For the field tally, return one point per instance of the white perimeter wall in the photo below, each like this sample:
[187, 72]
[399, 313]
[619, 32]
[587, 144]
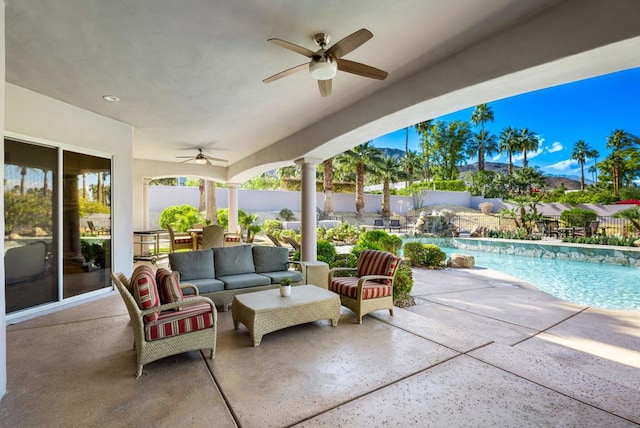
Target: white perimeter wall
[161, 197]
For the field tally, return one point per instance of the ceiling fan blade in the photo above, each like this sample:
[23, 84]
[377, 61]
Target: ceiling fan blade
[350, 43]
[286, 72]
[361, 69]
[325, 87]
[185, 161]
[211, 158]
[293, 47]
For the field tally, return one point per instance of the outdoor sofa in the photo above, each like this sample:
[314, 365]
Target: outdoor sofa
[222, 272]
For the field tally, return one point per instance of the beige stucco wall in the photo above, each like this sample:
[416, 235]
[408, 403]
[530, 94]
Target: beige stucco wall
[34, 117]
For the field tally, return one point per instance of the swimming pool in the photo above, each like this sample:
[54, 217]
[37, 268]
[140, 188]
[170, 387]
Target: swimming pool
[590, 284]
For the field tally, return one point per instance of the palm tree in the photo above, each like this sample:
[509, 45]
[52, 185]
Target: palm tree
[509, 143]
[361, 158]
[528, 142]
[411, 164]
[581, 152]
[621, 142]
[388, 170]
[593, 170]
[327, 184]
[482, 140]
[423, 129]
[481, 114]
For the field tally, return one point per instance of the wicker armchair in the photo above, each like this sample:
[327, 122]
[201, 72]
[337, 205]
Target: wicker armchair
[371, 288]
[150, 348]
[180, 240]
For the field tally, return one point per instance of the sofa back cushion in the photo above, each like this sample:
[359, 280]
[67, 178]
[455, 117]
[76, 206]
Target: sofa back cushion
[270, 259]
[144, 290]
[234, 260]
[168, 286]
[193, 264]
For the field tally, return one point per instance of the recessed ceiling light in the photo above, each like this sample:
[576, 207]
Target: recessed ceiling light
[111, 98]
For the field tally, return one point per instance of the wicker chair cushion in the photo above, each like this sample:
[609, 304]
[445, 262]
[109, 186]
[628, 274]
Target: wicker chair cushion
[144, 290]
[168, 286]
[188, 319]
[371, 262]
[348, 286]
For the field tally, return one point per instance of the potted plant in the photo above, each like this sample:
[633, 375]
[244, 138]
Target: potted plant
[285, 287]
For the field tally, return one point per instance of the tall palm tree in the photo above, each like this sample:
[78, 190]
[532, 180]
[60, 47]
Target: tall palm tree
[481, 114]
[621, 142]
[411, 164]
[581, 152]
[510, 144]
[423, 129]
[388, 170]
[482, 140]
[528, 142]
[361, 158]
[327, 184]
[593, 170]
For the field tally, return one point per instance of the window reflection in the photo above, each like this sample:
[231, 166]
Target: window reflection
[29, 219]
[86, 219]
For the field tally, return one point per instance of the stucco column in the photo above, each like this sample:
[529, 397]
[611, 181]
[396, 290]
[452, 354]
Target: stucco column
[145, 203]
[233, 207]
[309, 252]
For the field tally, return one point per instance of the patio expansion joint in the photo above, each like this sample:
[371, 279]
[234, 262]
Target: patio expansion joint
[37, 327]
[551, 326]
[227, 403]
[380, 387]
[553, 389]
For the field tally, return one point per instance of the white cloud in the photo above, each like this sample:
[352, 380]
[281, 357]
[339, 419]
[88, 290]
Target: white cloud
[497, 157]
[555, 147]
[563, 165]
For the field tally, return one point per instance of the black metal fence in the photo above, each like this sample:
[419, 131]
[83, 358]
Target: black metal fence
[467, 222]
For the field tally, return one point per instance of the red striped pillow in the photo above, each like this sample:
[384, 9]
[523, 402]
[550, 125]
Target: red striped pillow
[371, 262]
[169, 286]
[143, 287]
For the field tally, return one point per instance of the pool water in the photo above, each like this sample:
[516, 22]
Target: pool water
[597, 285]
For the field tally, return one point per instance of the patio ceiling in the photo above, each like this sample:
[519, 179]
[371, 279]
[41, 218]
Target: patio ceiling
[189, 75]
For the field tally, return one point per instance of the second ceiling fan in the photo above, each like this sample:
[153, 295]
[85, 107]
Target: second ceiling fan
[325, 62]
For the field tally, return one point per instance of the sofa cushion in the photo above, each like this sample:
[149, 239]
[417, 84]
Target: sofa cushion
[208, 285]
[189, 318]
[233, 282]
[144, 290]
[233, 260]
[348, 286]
[276, 277]
[270, 259]
[168, 286]
[193, 264]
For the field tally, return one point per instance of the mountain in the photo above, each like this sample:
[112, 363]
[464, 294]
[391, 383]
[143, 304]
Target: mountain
[570, 183]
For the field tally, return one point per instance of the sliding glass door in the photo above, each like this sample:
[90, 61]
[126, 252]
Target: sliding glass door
[52, 235]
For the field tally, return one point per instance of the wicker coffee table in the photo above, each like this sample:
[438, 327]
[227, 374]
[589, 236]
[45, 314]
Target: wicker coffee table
[266, 311]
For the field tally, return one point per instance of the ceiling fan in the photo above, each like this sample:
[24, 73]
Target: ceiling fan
[325, 63]
[201, 158]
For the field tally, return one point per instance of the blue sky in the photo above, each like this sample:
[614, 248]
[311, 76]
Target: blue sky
[588, 110]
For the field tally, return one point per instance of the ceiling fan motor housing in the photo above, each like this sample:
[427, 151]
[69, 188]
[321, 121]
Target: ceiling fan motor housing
[323, 66]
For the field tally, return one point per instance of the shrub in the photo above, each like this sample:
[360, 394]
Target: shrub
[403, 282]
[326, 252]
[180, 217]
[577, 217]
[379, 240]
[426, 255]
[273, 227]
[486, 207]
[348, 260]
[286, 214]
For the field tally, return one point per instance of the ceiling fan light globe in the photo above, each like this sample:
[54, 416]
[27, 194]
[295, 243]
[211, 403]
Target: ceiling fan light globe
[201, 161]
[323, 69]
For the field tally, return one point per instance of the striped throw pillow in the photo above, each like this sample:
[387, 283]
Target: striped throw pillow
[143, 287]
[169, 286]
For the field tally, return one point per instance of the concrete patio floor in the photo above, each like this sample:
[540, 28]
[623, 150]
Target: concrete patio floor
[479, 349]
